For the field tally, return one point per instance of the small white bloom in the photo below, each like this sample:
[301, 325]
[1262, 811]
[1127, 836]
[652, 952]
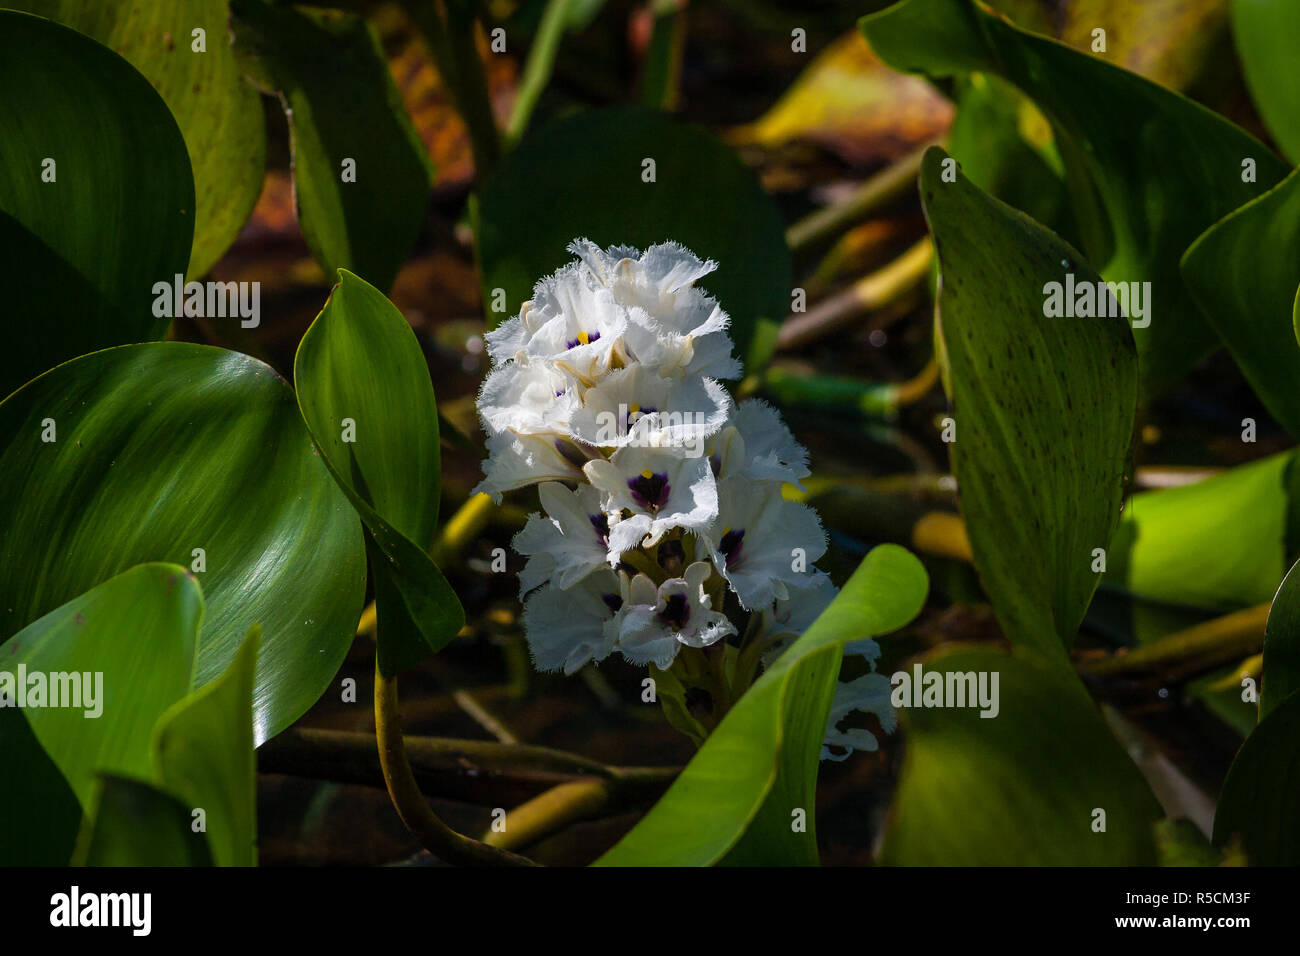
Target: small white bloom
[867, 694]
[638, 406]
[566, 544]
[673, 326]
[566, 629]
[654, 622]
[660, 488]
[527, 397]
[766, 450]
[786, 620]
[516, 461]
[571, 320]
[761, 542]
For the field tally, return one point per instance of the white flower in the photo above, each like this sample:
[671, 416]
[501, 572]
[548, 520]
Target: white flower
[566, 629]
[761, 542]
[673, 326]
[516, 461]
[868, 694]
[571, 321]
[654, 622]
[761, 447]
[527, 397]
[661, 488]
[787, 619]
[568, 543]
[638, 406]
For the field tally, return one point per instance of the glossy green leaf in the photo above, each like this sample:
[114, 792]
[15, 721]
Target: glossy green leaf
[1281, 677]
[164, 448]
[1218, 544]
[1244, 272]
[365, 393]
[1266, 31]
[219, 112]
[1148, 170]
[127, 650]
[1021, 788]
[361, 176]
[1260, 800]
[1043, 407]
[760, 763]
[136, 824]
[203, 754]
[583, 177]
[79, 255]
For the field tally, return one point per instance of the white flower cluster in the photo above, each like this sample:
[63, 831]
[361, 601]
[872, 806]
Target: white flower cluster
[661, 495]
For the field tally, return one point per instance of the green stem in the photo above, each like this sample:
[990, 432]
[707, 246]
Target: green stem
[436, 837]
[537, 69]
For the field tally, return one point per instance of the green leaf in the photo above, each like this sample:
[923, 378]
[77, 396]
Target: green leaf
[203, 753]
[1043, 408]
[79, 256]
[583, 177]
[1218, 544]
[1244, 271]
[760, 763]
[168, 447]
[339, 97]
[1260, 800]
[136, 824]
[1265, 31]
[1148, 169]
[1021, 788]
[360, 363]
[140, 631]
[1281, 678]
[219, 112]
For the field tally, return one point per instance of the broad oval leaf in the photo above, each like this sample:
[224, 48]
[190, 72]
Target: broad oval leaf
[1265, 32]
[123, 653]
[587, 175]
[365, 393]
[133, 823]
[97, 200]
[1260, 800]
[1244, 271]
[1044, 408]
[1138, 207]
[219, 112]
[161, 450]
[202, 751]
[1019, 788]
[361, 175]
[761, 761]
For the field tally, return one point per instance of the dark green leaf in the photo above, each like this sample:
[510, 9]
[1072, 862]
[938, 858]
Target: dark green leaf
[169, 447]
[139, 631]
[1043, 408]
[760, 764]
[219, 112]
[582, 177]
[1021, 788]
[1282, 645]
[203, 754]
[360, 363]
[1260, 800]
[333, 80]
[1148, 170]
[1244, 272]
[1266, 31]
[79, 256]
[136, 824]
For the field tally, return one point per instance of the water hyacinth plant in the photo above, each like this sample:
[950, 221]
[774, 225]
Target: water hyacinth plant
[665, 536]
